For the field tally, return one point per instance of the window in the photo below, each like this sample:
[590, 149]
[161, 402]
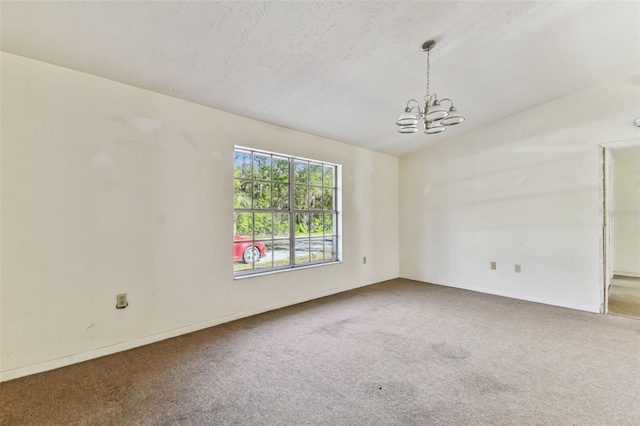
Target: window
[285, 212]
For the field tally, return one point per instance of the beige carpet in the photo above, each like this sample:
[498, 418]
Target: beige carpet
[395, 353]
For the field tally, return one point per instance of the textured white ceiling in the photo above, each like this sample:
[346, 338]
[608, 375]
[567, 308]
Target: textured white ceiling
[341, 70]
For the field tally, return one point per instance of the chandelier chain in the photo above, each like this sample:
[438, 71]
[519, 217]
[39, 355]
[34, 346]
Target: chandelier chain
[428, 69]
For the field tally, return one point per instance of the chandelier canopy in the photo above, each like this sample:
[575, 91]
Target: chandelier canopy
[434, 115]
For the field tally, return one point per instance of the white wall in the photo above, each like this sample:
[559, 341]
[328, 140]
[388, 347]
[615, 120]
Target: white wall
[524, 190]
[624, 212]
[107, 188]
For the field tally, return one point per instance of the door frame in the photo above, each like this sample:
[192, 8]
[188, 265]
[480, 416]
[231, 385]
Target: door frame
[605, 248]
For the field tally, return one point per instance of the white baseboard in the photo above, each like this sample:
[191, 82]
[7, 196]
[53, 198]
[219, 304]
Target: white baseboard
[579, 307]
[108, 350]
[621, 282]
[627, 274]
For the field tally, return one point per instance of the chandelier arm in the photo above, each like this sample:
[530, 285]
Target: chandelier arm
[446, 99]
[413, 100]
[428, 101]
[420, 112]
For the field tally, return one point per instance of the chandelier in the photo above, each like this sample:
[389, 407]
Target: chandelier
[435, 116]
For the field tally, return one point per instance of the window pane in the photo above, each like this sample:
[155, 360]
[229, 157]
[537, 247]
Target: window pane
[327, 199]
[328, 224]
[246, 252]
[280, 196]
[242, 194]
[266, 257]
[280, 253]
[303, 255]
[243, 225]
[316, 224]
[301, 202]
[329, 175]
[280, 169]
[330, 248]
[261, 166]
[240, 266]
[315, 174]
[263, 225]
[242, 164]
[302, 225]
[281, 225]
[317, 249]
[302, 172]
[315, 198]
[261, 195]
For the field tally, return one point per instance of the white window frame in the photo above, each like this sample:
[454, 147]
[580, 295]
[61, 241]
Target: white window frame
[336, 236]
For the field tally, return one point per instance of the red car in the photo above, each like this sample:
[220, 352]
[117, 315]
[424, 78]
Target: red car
[247, 251]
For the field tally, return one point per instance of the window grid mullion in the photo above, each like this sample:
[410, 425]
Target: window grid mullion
[292, 219]
[309, 216]
[253, 215]
[253, 183]
[322, 205]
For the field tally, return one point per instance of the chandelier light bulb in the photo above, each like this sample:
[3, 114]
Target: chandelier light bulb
[408, 129]
[407, 118]
[453, 118]
[434, 127]
[436, 112]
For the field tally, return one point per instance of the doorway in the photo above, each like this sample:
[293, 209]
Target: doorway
[621, 228]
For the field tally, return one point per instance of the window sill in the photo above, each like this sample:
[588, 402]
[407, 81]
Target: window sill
[278, 271]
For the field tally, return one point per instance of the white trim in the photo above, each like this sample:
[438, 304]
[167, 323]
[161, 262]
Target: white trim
[627, 274]
[621, 282]
[108, 350]
[603, 247]
[626, 143]
[271, 271]
[579, 307]
[603, 285]
[337, 212]
[279, 154]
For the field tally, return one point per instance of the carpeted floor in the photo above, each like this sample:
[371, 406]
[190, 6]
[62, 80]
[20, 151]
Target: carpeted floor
[395, 353]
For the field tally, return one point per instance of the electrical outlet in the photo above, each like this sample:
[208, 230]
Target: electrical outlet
[493, 266]
[364, 260]
[518, 269]
[121, 301]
